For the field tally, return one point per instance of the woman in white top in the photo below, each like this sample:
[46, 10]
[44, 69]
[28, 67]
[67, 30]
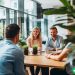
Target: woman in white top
[35, 39]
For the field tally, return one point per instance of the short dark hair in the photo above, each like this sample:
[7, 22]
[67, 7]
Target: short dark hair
[12, 30]
[53, 27]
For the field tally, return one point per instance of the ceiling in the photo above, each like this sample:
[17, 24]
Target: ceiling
[50, 3]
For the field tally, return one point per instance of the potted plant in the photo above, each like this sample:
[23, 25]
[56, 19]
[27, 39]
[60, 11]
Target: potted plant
[25, 47]
[22, 43]
[35, 50]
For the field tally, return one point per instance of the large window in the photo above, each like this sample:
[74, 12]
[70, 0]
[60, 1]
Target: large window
[11, 16]
[28, 6]
[9, 3]
[10, 12]
[30, 9]
[2, 20]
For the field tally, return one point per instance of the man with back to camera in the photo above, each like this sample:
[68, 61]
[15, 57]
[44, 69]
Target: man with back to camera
[11, 57]
[54, 42]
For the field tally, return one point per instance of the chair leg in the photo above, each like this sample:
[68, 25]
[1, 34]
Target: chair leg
[26, 72]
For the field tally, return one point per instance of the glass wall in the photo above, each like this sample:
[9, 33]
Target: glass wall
[24, 12]
[2, 21]
[30, 8]
[11, 12]
[9, 3]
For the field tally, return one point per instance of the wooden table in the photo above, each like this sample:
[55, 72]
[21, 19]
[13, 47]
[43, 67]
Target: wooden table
[41, 60]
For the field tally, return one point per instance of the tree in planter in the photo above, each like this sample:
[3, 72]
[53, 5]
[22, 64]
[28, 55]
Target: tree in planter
[35, 49]
[26, 51]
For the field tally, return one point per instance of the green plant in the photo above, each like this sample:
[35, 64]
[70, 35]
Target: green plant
[35, 50]
[25, 47]
[22, 42]
[68, 9]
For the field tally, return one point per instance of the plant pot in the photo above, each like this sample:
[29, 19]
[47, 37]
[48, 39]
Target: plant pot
[26, 51]
[35, 51]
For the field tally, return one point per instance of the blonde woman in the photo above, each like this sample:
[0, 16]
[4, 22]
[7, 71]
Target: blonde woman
[35, 39]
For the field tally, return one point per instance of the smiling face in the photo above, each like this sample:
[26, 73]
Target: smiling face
[53, 32]
[36, 32]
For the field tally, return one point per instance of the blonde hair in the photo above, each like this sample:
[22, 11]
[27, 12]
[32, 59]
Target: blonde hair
[38, 36]
[31, 37]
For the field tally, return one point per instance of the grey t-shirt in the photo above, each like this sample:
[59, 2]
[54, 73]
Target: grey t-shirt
[70, 58]
[71, 54]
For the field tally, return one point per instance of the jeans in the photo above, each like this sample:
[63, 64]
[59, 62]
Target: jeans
[33, 71]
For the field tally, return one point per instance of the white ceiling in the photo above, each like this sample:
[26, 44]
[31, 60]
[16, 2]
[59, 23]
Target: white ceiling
[50, 3]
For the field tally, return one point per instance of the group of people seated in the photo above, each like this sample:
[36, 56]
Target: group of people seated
[53, 43]
[12, 57]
